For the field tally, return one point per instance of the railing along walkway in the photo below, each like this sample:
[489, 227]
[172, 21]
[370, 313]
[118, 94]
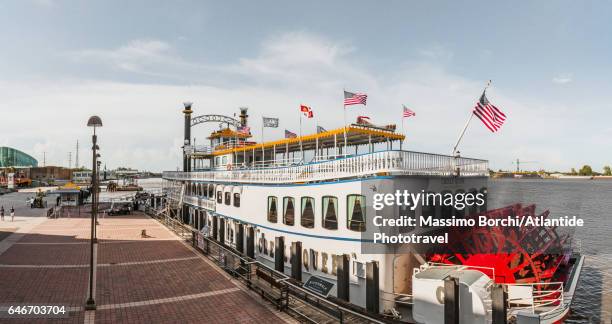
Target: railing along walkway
[276, 287]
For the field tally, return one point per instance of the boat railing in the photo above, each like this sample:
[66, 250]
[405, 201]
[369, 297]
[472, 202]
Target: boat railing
[209, 204]
[398, 301]
[546, 297]
[203, 149]
[378, 163]
[485, 270]
[540, 298]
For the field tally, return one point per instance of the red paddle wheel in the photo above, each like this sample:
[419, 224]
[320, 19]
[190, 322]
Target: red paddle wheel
[508, 254]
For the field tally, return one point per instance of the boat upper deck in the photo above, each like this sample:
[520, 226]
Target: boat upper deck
[353, 135]
[388, 162]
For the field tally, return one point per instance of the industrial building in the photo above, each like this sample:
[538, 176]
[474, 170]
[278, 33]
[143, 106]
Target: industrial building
[50, 173]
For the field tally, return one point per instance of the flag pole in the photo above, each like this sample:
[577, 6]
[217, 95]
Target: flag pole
[344, 116]
[316, 155]
[301, 151]
[403, 132]
[262, 141]
[467, 124]
[462, 133]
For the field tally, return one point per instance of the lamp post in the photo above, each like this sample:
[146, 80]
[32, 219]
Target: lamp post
[94, 121]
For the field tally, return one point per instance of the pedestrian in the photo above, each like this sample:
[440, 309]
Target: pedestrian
[2, 213]
[12, 213]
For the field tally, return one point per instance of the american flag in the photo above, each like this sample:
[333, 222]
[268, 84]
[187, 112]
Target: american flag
[307, 111]
[355, 98]
[244, 130]
[289, 134]
[490, 116]
[408, 112]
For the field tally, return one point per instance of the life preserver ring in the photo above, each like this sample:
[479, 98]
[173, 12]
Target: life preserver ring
[229, 166]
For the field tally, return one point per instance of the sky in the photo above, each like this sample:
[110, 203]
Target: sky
[134, 63]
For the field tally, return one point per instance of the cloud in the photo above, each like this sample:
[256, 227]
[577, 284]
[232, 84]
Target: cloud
[299, 59]
[437, 52]
[143, 123]
[562, 79]
[143, 56]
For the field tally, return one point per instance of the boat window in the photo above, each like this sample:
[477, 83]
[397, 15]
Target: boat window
[324, 262]
[204, 190]
[459, 212]
[356, 213]
[305, 258]
[470, 210]
[314, 258]
[429, 208]
[211, 191]
[307, 218]
[405, 210]
[228, 198]
[446, 209]
[359, 269]
[236, 199]
[272, 209]
[263, 244]
[483, 208]
[289, 211]
[330, 212]
[219, 197]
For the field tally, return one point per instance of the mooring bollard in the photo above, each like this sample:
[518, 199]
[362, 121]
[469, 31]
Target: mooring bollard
[143, 233]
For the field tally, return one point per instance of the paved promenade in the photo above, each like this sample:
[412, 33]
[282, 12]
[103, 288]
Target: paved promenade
[157, 279]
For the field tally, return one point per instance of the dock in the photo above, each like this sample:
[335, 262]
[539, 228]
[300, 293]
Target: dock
[152, 279]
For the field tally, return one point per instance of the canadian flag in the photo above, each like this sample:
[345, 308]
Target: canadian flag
[307, 111]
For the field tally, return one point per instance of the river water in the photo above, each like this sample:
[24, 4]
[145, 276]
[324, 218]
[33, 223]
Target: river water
[592, 201]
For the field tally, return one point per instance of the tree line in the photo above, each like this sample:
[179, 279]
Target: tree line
[586, 170]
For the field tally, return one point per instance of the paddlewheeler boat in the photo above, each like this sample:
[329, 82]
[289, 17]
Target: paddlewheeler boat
[301, 206]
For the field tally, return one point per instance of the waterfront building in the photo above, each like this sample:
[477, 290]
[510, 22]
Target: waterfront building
[49, 173]
[13, 158]
[81, 177]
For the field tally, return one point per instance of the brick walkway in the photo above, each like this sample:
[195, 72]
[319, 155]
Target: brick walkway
[138, 280]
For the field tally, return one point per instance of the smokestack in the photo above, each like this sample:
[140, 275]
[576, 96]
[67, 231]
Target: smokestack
[187, 142]
[243, 116]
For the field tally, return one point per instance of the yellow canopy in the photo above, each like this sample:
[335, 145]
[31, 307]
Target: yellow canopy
[70, 185]
[355, 135]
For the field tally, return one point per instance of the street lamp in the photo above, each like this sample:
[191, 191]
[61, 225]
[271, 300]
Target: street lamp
[94, 121]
